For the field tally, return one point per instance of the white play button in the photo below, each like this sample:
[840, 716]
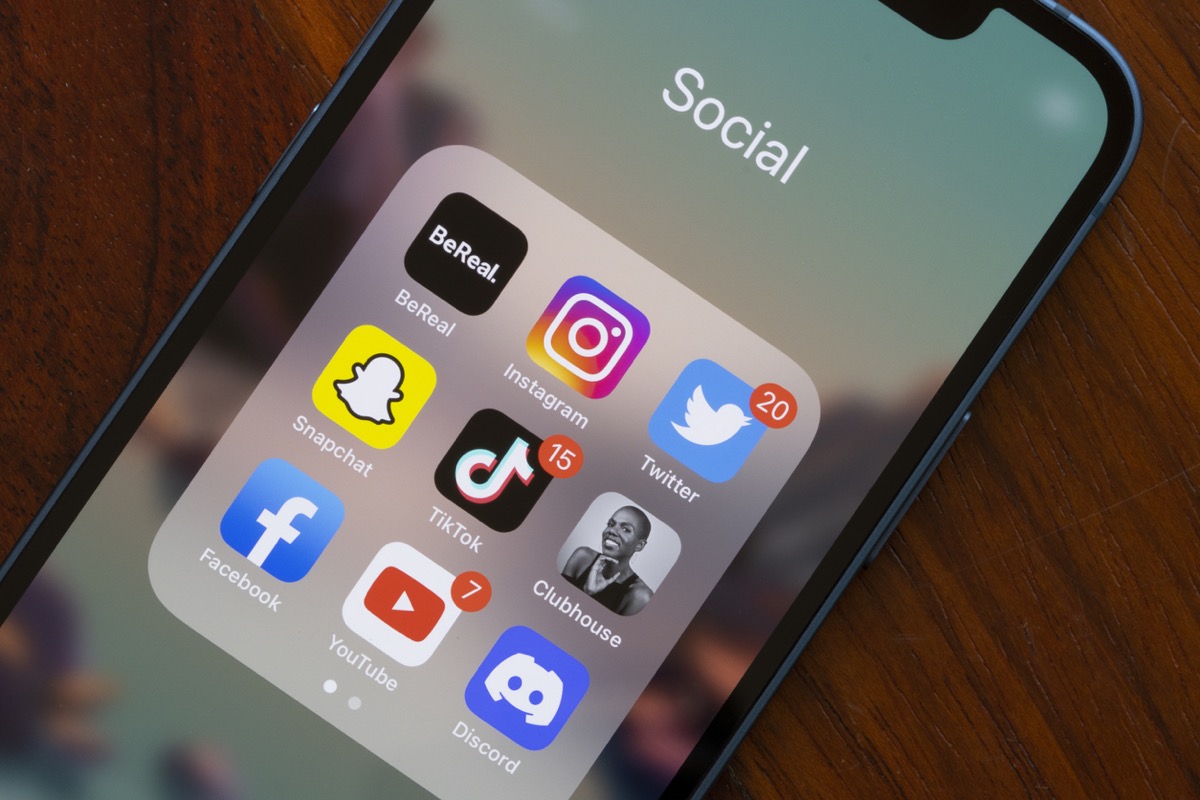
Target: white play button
[403, 603]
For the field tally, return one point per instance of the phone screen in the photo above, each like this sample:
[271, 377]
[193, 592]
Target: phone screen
[550, 394]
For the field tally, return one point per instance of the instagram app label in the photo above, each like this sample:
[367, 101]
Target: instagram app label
[588, 337]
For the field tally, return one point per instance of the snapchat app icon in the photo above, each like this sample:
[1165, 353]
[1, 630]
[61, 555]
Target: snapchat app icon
[374, 386]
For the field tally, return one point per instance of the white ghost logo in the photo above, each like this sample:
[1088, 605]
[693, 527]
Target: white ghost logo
[375, 386]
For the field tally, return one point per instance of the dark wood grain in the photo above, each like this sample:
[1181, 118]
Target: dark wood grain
[1032, 629]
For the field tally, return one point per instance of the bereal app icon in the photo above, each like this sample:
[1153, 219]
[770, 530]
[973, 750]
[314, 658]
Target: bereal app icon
[374, 386]
[527, 688]
[588, 337]
[281, 520]
[404, 604]
[705, 421]
[466, 253]
[492, 470]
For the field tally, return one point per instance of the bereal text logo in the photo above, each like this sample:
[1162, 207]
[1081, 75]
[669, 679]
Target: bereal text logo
[492, 470]
[736, 132]
[466, 253]
[282, 520]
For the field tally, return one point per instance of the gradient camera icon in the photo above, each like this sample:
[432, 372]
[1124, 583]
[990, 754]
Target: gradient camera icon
[588, 337]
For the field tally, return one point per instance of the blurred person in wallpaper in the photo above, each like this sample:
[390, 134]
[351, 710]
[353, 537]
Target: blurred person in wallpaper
[47, 698]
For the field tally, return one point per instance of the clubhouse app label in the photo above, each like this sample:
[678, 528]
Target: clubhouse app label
[588, 337]
[492, 470]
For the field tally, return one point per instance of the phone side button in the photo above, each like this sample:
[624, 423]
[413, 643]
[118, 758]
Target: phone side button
[933, 465]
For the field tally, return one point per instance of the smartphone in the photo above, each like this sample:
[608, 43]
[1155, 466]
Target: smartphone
[570, 348]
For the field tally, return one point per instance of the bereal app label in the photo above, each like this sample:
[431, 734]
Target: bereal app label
[281, 520]
[492, 470]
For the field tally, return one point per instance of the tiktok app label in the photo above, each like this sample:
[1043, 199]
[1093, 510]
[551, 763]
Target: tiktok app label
[492, 471]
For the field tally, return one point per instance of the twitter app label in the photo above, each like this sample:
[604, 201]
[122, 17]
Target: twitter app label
[705, 421]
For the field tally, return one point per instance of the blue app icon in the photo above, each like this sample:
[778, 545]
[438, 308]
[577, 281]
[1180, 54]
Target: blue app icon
[705, 421]
[527, 687]
[281, 520]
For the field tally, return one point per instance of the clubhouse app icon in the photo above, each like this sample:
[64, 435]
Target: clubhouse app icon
[705, 421]
[492, 471]
[281, 520]
[466, 253]
[374, 386]
[588, 337]
[527, 688]
[403, 604]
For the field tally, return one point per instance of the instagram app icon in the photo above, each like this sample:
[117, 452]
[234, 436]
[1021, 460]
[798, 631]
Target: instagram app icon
[588, 337]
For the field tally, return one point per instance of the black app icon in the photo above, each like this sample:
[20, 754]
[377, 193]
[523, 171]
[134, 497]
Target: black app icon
[466, 253]
[492, 471]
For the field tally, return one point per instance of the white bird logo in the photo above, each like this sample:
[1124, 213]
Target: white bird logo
[704, 426]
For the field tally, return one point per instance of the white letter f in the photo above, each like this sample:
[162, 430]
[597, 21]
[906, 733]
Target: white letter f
[277, 526]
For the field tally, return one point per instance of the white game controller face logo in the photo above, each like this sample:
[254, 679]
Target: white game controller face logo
[526, 686]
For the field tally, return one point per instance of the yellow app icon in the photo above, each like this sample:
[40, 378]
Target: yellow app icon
[374, 386]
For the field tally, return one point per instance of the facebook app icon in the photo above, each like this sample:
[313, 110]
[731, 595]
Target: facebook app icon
[281, 520]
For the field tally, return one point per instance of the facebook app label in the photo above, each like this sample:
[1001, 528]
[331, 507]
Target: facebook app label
[705, 421]
[281, 520]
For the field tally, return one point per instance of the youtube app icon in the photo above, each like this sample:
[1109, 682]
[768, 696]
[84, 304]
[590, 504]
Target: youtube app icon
[403, 604]
[407, 606]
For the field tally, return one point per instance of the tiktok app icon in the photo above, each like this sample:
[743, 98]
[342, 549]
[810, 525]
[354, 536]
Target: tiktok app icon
[492, 471]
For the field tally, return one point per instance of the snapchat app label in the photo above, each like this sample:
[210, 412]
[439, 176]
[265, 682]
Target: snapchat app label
[374, 386]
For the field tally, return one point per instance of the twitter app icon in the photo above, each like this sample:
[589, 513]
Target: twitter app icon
[705, 421]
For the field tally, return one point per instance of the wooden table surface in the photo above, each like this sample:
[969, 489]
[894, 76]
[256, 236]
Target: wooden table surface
[1033, 628]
